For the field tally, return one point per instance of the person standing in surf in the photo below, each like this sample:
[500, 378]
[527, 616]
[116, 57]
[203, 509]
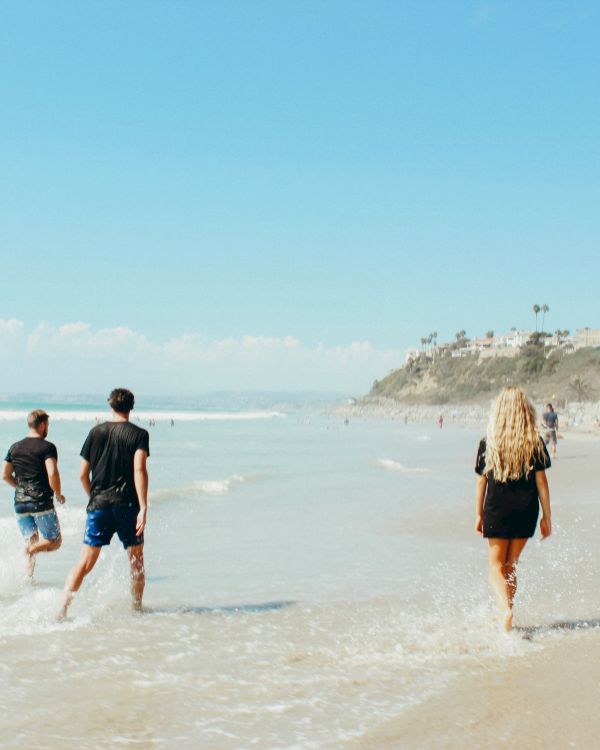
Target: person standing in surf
[115, 478]
[511, 483]
[550, 420]
[31, 467]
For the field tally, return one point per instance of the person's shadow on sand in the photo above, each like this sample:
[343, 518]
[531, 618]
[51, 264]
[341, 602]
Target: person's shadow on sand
[529, 632]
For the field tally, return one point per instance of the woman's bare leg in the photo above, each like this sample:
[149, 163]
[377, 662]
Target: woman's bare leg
[497, 555]
[510, 566]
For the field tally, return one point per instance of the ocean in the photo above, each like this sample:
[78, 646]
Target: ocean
[307, 580]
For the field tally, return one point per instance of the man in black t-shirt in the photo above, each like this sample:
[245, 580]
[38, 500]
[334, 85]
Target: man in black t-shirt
[113, 474]
[31, 467]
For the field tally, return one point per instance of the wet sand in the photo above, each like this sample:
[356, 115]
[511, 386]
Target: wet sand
[548, 698]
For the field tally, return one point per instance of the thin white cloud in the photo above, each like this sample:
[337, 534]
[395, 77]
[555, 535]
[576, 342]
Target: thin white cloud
[78, 358]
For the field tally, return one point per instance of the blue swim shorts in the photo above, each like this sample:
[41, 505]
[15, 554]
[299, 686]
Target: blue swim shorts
[45, 523]
[101, 524]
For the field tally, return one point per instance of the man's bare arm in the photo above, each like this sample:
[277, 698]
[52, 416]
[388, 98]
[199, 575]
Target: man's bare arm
[84, 476]
[140, 478]
[8, 474]
[54, 478]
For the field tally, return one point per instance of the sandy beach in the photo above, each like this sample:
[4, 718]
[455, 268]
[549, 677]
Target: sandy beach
[549, 700]
[575, 418]
[545, 698]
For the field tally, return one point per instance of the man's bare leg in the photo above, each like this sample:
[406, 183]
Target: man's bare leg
[138, 578]
[35, 545]
[87, 560]
[43, 545]
[30, 556]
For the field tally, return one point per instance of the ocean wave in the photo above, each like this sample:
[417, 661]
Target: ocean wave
[90, 415]
[388, 463]
[200, 487]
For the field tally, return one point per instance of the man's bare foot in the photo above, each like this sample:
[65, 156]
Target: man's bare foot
[61, 615]
[29, 563]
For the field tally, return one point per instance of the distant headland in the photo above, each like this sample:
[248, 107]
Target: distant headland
[558, 366]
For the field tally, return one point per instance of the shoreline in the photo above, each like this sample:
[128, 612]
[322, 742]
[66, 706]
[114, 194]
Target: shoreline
[580, 420]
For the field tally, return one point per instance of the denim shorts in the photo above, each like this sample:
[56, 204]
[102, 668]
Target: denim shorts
[46, 523]
[101, 524]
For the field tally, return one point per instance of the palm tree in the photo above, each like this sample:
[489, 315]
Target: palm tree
[536, 310]
[423, 342]
[545, 309]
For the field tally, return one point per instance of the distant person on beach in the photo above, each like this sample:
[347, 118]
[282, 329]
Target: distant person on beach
[114, 476]
[441, 421]
[31, 467]
[510, 486]
[550, 420]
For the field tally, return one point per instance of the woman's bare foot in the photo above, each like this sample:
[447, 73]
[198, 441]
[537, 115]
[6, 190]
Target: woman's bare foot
[507, 621]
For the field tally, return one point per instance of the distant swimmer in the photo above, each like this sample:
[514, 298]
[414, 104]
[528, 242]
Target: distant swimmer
[114, 476]
[441, 421]
[172, 423]
[511, 466]
[31, 467]
[550, 421]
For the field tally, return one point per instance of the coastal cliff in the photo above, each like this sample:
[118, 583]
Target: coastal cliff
[563, 377]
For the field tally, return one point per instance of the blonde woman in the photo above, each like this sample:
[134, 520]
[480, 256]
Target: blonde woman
[510, 486]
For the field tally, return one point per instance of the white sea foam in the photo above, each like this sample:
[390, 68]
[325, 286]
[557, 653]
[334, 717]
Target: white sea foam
[388, 463]
[90, 415]
[200, 487]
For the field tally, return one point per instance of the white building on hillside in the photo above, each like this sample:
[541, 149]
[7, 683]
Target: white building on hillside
[512, 339]
[586, 337]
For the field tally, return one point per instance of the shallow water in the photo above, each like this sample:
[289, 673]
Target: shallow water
[306, 581]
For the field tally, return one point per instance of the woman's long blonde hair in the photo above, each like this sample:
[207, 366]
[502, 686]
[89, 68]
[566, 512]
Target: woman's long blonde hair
[513, 442]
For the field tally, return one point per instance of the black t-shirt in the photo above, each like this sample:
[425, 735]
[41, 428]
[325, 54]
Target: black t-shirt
[515, 494]
[550, 419]
[28, 457]
[110, 448]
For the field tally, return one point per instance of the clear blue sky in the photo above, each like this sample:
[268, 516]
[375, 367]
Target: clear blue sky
[332, 171]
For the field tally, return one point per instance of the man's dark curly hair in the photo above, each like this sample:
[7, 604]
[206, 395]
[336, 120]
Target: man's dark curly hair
[121, 400]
